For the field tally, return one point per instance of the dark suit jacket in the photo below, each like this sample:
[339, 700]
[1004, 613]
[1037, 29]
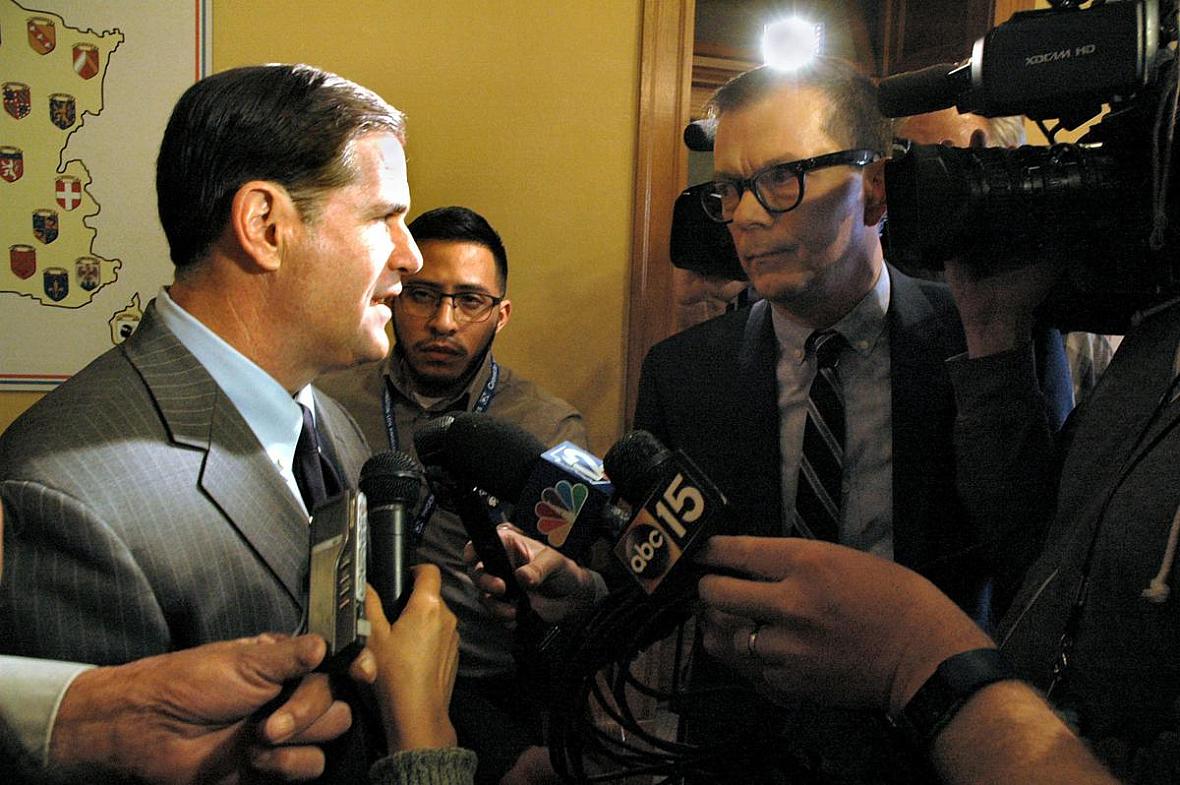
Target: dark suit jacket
[711, 391]
[143, 516]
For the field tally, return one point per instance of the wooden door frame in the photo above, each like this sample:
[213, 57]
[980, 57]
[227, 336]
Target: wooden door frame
[661, 173]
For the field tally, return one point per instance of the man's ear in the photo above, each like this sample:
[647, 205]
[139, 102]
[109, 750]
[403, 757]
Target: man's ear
[874, 184]
[260, 218]
[504, 315]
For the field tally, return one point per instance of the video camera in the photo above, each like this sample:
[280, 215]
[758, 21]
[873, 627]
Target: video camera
[1100, 204]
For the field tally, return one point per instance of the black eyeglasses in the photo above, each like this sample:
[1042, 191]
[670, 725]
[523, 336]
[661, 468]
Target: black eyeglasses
[778, 188]
[423, 301]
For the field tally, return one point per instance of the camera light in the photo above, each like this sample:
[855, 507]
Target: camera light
[790, 44]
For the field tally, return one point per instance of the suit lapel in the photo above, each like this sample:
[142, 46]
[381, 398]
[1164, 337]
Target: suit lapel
[922, 415]
[348, 455]
[757, 390]
[237, 474]
[263, 510]
[182, 389]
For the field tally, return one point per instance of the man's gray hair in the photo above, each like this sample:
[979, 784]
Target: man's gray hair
[1008, 131]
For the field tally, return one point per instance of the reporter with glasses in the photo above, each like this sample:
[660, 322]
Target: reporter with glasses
[824, 410]
[445, 322]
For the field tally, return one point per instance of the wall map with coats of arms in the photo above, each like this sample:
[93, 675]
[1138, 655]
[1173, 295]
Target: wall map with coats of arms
[52, 79]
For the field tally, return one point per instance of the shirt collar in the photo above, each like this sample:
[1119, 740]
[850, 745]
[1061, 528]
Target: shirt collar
[861, 327]
[268, 409]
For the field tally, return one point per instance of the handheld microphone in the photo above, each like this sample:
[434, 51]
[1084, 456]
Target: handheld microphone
[456, 491]
[635, 464]
[677, 507]
[562, 497]
[391, 481]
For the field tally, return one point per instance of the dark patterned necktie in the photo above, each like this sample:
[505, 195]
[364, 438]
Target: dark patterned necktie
[314, 473]
[821, 468]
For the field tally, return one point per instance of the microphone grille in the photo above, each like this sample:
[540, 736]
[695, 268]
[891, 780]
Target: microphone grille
[391, 478]
[635, 464]
[429, 440]
[496, 455]
[698, 135]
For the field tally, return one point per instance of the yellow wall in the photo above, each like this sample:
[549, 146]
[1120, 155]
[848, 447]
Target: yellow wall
[13, 403]
[524, 110]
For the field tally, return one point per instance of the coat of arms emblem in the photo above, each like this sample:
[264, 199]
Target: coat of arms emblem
[61, 110]
[22, 260]
[12, 164]
[86, 60]
[16, 99]
[45, 225]
[42, 34]
[88, 272]
[56, 283]
[69, 192]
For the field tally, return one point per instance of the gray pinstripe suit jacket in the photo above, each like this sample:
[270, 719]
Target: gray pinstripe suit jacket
[141, 514]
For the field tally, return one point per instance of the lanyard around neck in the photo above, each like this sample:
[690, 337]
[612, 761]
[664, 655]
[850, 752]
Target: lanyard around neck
[481, 405]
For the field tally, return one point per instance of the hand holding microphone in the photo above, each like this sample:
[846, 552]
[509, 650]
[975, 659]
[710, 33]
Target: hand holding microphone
[413, 636]
[417, 656]
[556, 585]
[561, 503]
[675, 507]
[456, 490]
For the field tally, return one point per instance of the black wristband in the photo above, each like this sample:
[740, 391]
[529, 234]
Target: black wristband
[957, 678]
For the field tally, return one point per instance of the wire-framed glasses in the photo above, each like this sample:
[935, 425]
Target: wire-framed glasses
[778, 188]
[422, 301]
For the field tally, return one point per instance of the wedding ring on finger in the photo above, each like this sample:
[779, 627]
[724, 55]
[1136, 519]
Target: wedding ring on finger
[752, 641]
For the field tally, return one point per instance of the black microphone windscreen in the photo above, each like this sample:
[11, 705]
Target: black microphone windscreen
[698, 135]
[495, 455]
[635, 464]
[915, 92]
[428, 440]
[391, 478]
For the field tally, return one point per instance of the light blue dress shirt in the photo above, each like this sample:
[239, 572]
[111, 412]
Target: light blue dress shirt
[268, 409]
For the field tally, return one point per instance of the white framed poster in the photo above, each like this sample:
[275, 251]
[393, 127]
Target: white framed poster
[87, 86]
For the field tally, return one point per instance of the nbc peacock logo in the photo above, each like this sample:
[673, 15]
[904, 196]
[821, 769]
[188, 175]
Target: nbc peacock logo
[558, 509]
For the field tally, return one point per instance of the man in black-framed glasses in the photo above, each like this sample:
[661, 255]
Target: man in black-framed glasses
[779, 187]
[446, 320]
[824, 410]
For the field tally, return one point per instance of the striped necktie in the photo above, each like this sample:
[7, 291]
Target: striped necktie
[821, 468]
[314, 473]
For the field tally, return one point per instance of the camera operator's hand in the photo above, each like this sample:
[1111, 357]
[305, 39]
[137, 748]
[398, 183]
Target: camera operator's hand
[417, 657]
[556, 585]
[187, 716]
[817, 620]
[818, 609]
[997, 306]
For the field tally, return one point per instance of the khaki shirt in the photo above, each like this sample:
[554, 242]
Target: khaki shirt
[485, 644]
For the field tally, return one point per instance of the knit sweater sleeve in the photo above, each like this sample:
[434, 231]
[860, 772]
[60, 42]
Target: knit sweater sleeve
[447, 766]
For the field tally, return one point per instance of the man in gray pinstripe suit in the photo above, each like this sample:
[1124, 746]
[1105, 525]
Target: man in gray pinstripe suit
[151, 502]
